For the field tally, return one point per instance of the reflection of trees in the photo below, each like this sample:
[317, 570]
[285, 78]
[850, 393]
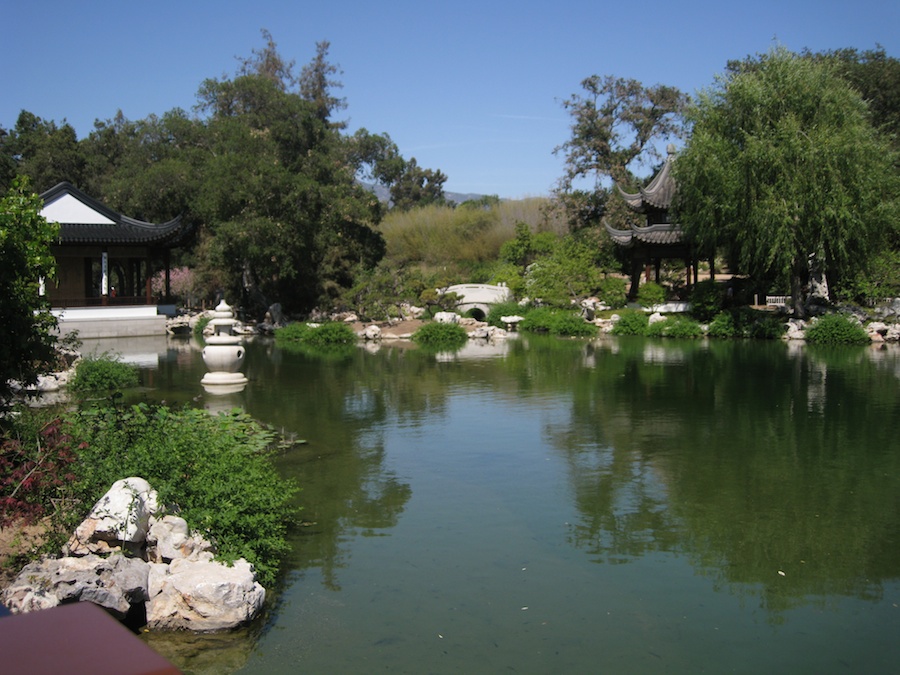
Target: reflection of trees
[339, 405]
[750, 460]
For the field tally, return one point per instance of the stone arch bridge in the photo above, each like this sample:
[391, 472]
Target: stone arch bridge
[479, 297]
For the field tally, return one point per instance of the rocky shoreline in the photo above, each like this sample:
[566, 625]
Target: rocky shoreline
[144, 567]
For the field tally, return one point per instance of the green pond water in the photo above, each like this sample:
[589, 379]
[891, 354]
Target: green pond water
[553, 506]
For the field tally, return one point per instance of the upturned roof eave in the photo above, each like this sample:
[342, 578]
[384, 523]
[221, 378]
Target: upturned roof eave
[124, 230]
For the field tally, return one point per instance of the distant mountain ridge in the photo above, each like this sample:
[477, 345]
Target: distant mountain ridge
[384, 194]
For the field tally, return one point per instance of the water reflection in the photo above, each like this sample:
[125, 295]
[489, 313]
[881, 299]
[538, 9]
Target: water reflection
[771, 469]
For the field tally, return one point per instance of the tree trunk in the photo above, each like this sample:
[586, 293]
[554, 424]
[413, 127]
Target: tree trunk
[797, 290]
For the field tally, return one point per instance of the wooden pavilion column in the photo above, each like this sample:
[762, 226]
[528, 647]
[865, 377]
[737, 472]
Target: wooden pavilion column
[104, 276]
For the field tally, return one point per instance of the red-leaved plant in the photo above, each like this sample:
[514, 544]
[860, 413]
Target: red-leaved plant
[33, 472]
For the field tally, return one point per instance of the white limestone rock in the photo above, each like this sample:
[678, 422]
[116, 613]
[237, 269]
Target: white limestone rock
[411, 312]
[170, 538]
[796, 329]
[446, 317]
[116, 583]
[372, 332]
[120, 517]
[202, 595]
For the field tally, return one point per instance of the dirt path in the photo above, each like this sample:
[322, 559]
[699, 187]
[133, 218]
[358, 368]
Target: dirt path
[14, 541]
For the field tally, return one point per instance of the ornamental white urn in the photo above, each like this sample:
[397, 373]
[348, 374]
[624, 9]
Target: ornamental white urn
[223, 354]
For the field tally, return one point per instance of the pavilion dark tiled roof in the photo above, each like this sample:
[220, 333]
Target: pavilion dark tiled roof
[658, 193]
[654, 201]
[121, 231]
[663, 233]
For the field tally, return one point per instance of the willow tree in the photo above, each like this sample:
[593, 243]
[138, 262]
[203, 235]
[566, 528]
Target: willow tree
[783, 169]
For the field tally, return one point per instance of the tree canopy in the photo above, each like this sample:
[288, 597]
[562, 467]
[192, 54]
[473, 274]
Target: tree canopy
[25, 259]
[260, 168]
[783, 166]
[617, 125]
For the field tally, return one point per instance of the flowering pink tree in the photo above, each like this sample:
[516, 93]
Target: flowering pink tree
[182, 283]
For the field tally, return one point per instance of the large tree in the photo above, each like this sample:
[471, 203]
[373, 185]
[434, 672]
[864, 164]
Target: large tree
[42, 150]
[618, 124]
[26, 324]
[285, 219]
[783, 167]
[415, 186]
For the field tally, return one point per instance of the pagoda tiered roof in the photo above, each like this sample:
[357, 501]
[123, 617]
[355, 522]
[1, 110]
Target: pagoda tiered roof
[654, 201]
[658, 193]
[660, 234]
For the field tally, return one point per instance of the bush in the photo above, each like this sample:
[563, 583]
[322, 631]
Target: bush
[35, 467]
[201, 325]
[566, 274]
[722, 326]
[707, 300]
[657, 329]
[836, 329]
[676, 326]
[330, 334]
[217, 472]
[509, 274]
[765, 327]
[612, 292]
[632, 322]
[556, 322]
[323, 335]
[651, 294]
[683, 327]
[102, 373]
[441, 336]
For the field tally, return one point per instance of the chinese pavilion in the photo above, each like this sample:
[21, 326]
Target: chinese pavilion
[659, 238]
[103, 257]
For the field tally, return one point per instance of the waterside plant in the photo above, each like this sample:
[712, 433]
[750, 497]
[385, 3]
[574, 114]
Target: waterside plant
[102, 373]
[440, 336]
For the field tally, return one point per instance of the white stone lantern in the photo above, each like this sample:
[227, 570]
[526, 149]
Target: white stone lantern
[223, 354]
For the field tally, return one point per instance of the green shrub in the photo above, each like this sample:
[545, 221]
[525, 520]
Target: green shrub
[201, 325]
[656, 329]
[836, 329]
[332, 333]
[766, 327]
[745, 322]
[651, 294]
[675, 326]
[292, 333]
[612, 292]
[722, 326]
[323, 335]
[102, 373]
[707, 300]
[441, 336]
[559, 322]
[566, 274]
[683, 327]
[632, 322]
[509, 274]
[217, 472]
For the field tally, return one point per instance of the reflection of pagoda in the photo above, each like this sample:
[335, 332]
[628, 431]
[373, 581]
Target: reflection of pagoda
[659, 238]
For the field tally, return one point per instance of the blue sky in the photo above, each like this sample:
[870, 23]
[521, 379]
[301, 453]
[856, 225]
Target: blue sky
[471, 88]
